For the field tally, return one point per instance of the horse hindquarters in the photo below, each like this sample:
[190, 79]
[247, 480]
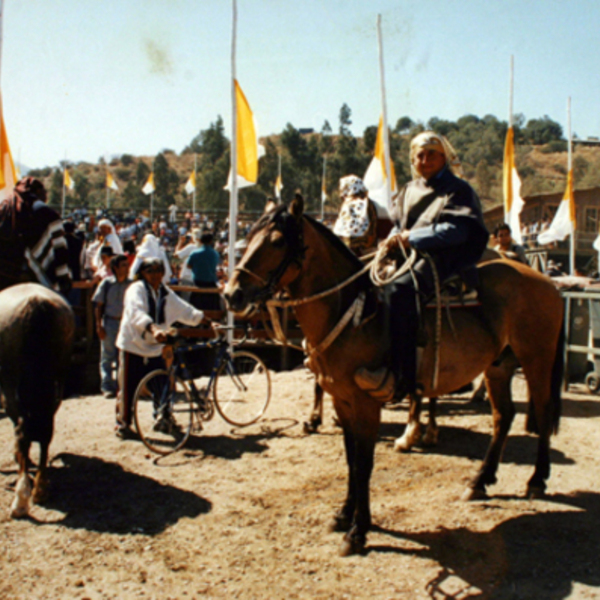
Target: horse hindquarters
[36, 345]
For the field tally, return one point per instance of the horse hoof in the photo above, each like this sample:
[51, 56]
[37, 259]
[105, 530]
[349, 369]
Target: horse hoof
[352, 545]
[430, 439]
[309, 427]
[402, 445]
[471, 494]
[340, 524]
[18, 512]
[535, 493]
[39, 496]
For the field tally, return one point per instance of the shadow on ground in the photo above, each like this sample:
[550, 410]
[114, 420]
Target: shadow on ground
[101, 496]
[530, 557]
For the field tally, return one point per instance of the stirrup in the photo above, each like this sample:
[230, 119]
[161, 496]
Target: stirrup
[379, 384]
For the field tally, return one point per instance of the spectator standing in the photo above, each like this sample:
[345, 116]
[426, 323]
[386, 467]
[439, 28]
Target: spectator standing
[203, 263]
[150, 309]
[108, 310]
[150, 248]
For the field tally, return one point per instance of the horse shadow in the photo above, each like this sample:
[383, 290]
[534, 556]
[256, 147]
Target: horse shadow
[539, 555]
[465, 443]
[101, 496]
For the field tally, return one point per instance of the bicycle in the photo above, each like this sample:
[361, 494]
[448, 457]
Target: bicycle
[168, 405]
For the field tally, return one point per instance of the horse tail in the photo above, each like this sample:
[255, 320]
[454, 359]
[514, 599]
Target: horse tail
[556, 383]
[43, 367]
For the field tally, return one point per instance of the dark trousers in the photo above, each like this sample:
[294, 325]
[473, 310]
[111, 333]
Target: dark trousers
[132, 369]
[404, 320]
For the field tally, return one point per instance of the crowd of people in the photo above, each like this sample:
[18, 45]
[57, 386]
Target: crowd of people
[132, 262]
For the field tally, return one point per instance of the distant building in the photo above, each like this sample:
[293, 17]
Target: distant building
[540, 209]
[306, 130]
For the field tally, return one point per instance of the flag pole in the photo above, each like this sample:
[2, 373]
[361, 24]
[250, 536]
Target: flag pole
[511, 90]
[233, 199]
[64, 195]
[194, 192]
[323, 190]
[569, 167]
[386, 139]
[279, 177]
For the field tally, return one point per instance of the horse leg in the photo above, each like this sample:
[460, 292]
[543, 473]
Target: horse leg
[430, 438]
[365, 436]
[20, 505]
[479, 393]
[316, 417]
[342, 520]
[541, 420]
[498, 379]
[412, 433]
[40, 483]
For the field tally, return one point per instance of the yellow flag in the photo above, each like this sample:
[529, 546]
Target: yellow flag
[507, 169]
[110, 182]
[278, 187]
[513, 203]
[149, 185]
[247, 148]
[68, 182]
[190, 185]
[8, 176]
[380, 154]
[570, 198]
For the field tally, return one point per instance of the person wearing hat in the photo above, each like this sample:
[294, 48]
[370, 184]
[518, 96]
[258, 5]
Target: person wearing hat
[440, 214]
[356, 224]
[149, 310]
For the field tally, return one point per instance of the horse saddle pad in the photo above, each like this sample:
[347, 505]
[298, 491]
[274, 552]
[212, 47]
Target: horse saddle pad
[455, 292]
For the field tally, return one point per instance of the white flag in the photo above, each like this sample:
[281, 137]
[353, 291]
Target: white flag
[513, 203]
[563, 223]
[190, 186]
[111, 183]
[68, 182]
[149, 185]
[375, 178]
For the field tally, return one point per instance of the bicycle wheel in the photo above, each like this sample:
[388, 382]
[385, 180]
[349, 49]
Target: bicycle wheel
[242, 388]
[163, 412]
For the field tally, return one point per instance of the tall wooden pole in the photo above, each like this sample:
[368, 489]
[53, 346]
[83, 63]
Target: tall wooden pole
[386, 139]
[569, 167]
[233, 202]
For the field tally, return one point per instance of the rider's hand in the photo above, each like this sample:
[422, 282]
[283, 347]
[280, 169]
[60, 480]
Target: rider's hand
[101, 332]
[159, 335]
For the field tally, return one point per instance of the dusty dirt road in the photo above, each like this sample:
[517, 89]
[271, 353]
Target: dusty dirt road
[245, 514]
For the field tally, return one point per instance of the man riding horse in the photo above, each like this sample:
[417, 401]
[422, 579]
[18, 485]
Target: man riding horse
[32, 233]
[438, 215]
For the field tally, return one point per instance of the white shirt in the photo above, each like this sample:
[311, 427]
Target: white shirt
[184, 254]
[133, 336]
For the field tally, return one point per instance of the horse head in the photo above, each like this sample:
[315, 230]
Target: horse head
[273, 257]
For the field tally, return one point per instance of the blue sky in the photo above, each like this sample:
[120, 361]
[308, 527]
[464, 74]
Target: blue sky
[83, 79]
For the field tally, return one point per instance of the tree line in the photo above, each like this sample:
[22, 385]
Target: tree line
[479, 143]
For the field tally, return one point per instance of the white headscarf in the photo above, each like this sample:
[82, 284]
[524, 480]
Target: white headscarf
[150, 248]
[112, 240]
[434, 141]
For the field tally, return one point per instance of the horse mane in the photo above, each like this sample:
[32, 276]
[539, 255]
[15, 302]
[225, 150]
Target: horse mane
[335, 241]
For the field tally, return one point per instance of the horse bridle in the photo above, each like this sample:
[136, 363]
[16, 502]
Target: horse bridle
[295, 253]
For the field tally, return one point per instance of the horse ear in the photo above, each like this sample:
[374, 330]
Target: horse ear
[270, 206]
[297, 206]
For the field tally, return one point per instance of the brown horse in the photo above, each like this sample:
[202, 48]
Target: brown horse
[36, 335]
[519, 308]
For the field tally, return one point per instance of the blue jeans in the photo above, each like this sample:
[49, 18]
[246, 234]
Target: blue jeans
[109, 355]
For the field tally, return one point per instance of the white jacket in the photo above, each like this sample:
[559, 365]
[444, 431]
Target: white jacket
[133, 336]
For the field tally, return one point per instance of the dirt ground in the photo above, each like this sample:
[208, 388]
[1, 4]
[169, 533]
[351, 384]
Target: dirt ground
[245, 514]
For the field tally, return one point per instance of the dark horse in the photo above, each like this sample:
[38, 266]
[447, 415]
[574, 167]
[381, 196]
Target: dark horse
[519, 308]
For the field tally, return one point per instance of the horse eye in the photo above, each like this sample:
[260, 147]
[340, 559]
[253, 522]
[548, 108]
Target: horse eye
[277, 239]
